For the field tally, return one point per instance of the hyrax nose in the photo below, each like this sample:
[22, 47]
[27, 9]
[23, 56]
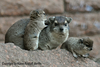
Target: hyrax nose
[90, 48]
[61, 29]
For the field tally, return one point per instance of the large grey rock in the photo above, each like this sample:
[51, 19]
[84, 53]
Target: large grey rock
[16, 57]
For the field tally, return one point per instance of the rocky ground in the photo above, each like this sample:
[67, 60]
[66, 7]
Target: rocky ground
[86, 22]
[13, 56]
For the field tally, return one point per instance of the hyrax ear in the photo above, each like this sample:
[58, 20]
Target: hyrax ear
[51, 19]
[31, 12]
[37, 13]
[80, 40]
[47, 22]
[68, 19]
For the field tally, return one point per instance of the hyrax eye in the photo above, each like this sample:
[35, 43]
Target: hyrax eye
[66, 24]
[43, 12]
[87, 45]
[56, 24]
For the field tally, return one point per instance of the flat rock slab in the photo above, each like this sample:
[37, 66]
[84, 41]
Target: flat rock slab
[13, 56]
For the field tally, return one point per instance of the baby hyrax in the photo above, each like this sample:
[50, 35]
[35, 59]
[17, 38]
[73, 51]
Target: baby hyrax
[78, 46]
[33, 29]
[56, 32]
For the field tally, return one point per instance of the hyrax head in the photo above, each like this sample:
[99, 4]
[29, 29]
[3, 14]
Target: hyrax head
[87, 42]
[37, 13]
[59, 24]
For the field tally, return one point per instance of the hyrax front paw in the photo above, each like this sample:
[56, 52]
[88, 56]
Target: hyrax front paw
[75, 55]
[86, 55]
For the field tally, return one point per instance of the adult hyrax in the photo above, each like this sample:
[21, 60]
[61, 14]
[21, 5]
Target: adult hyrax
[33, 29]
[78, 46]
[56, 32]
[15, 33]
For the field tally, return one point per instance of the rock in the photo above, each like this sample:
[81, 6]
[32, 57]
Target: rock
[96, 47]
[11, 55]
[82, 5]
[97, 60]
[84, 24]
[23, 7]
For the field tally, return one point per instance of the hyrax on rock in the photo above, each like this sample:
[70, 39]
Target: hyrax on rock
[78, 46]
[56, 32]
[15, 33]
[33, 29]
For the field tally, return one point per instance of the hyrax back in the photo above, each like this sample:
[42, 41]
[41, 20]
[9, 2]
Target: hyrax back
[33, 29]
[16, 32]
[56, 32]
[78, 46]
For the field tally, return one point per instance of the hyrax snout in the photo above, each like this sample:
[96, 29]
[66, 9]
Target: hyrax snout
[56, 32]
[88, 43]
[78, 46]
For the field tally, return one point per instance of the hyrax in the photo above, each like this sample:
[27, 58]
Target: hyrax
[33, 29]
[56, 32]
[78, 46]
[15, 33]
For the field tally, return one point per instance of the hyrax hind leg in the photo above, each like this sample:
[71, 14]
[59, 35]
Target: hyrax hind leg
[17, 40]
[74, 54]
[86, 55]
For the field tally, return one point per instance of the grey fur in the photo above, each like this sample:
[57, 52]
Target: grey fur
[78, 46]
[33, 29]
[16, 32]
[54, 34]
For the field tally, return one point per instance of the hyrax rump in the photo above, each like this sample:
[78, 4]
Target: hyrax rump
[78, 46]
[33, 29]
[56, 32]
[15, 34]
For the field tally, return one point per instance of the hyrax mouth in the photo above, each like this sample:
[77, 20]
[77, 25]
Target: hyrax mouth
[61, 33]
[61, 29]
